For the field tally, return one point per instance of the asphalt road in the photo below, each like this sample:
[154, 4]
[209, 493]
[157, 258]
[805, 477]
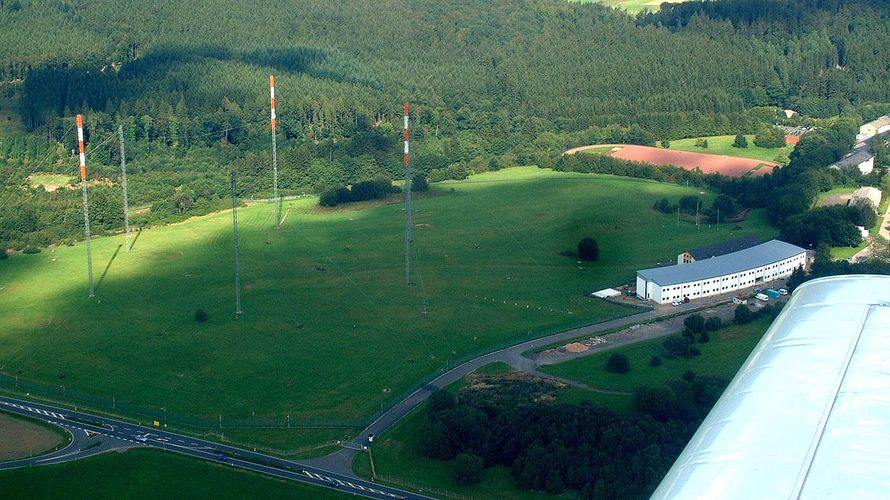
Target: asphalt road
[93, 434]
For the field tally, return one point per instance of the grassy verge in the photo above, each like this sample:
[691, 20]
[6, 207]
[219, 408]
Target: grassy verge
[722, 145]
[820, 199]
[723, 355]
[148, 474]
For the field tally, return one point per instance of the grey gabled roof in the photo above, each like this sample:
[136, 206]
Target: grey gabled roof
[724, 247]
[854, 159]
[761, 255]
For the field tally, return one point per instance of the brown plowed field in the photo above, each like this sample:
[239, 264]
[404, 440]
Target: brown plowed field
[707, 163]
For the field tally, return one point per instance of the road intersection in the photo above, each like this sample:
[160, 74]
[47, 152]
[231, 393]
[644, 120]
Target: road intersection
[93, 434]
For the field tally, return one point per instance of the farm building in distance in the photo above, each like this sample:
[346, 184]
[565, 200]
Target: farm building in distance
[860, 158]
[874, 128]
[718, 249]
[742, 269]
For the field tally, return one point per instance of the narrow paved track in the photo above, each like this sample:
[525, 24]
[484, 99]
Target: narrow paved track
[341, 461]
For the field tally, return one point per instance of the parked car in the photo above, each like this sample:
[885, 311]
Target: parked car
[783, 291]
[675, 303]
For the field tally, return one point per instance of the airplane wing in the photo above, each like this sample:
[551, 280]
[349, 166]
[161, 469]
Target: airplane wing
[808, 414]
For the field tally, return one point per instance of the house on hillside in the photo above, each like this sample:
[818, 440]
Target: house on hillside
[868, 195]
[723, 274]
[717, 249]
[874, 128]
[860, 158]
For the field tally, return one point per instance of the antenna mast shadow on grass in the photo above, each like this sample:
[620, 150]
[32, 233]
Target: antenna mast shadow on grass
[138, 234]
[236, 243]
[108, 266]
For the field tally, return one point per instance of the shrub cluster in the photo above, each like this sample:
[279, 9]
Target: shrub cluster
[360, 191]
[618, 363]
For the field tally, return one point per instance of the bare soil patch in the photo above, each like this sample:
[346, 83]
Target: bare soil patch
[835, 199]
[577, 347]
[20, 438]
[707, 163]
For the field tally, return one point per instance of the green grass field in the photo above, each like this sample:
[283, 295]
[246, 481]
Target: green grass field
[148, 474]
[50, 182]
[822, 198]
[330, 331]
[723, 355]
[631, 6]
[722, 145]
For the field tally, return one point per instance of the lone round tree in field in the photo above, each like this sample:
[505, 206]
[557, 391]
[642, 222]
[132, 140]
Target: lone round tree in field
[740, 141]
[588, 249]
[618, 363]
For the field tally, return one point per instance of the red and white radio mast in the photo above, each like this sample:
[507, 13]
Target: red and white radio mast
[274, 152]
[86, 210]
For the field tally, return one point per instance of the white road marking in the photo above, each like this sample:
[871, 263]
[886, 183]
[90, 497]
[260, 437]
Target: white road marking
[35, 410]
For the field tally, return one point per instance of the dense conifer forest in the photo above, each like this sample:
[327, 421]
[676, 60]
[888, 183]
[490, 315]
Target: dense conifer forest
[493, 84]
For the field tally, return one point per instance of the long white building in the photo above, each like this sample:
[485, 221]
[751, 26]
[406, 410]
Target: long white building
[746, 268]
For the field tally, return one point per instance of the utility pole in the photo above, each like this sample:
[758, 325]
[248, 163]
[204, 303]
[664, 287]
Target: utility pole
[86, 208]
[409, 216]
[237, 245]
[120, 135]
[274, 154]
[696, 216]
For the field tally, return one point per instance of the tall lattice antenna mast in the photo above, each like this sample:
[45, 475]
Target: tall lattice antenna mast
[237, 244]
[86, 209]
[409, 215]
[120, 135]
[274, 153]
